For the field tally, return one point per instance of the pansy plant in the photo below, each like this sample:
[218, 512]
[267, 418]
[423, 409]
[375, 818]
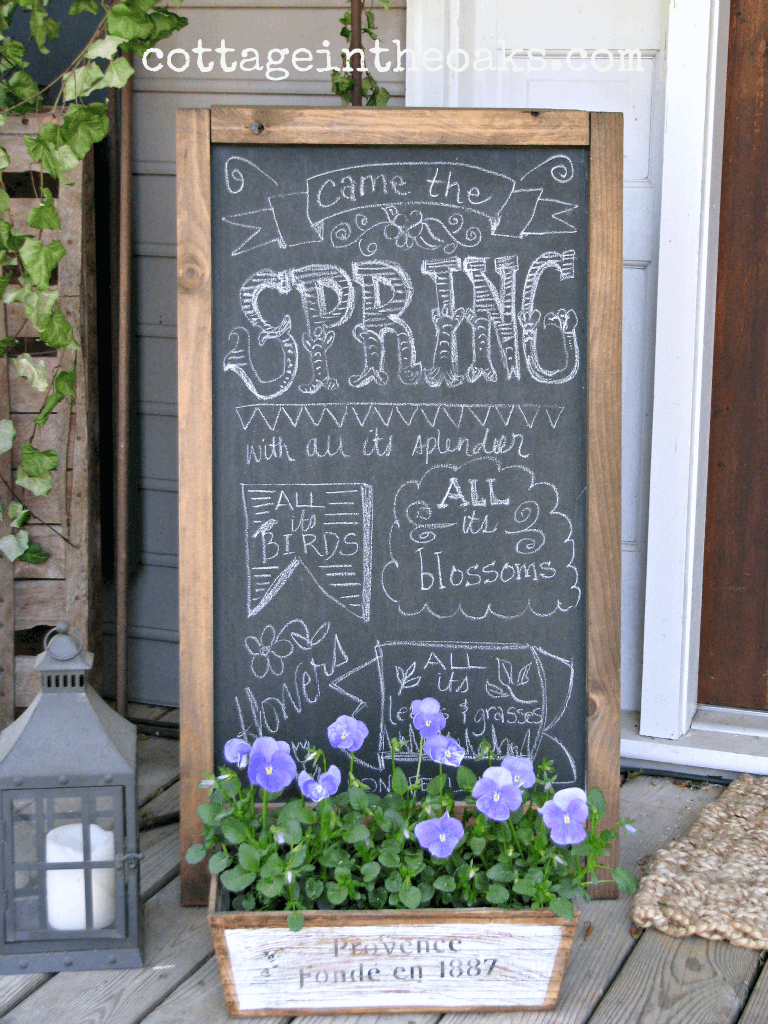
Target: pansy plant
[517, 841]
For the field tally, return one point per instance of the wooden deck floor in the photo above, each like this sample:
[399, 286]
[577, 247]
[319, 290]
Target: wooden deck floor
[612, 976]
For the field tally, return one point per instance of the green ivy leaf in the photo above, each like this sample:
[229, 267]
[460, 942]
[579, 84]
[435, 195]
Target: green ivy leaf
[7, 434]
[124, 21]
[34, 473]
[13, 545]
[295, 920]
[195, 854]
[35, 554]
[23, 85]
[6, 344]
[17, 514]
[82, 81]
[4, 161]
[84, 7]
[5, 199]
[39, 259]
[106, 48]
[56, 330]
[34, 372]
[45, 216]
[236, 879]
[117, 73]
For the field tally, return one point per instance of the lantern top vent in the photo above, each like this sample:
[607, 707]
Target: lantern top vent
[63, 663]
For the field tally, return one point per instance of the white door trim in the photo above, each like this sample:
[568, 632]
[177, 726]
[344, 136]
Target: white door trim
[697, 52]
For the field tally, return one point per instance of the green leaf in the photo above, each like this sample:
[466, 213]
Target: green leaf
[45, 216]
[84, 7]
[500, 873]
[314, 887]
[433, 787]
[410, 895]
[596, 801]
[123, 21]
[445, 883]
[34, 473]
[249, 857]
[117, 74]
[625, 880]
[357, 834]
[17, 514]
[561, 907]
[35, 554]
[23, 85]
[291, 830]
[56, 330]
[4, 161]
[236, 879]
[358, 798]
[207, 814]
[220, 861]
[525, 887]
[106, 48]
[270, 888]
[34, 372]
[466, 778]
[497, 894]
[7, 434]
[336, 894]
[82, 81]
[6, 344]
[13, 545]
[370, 871]
[477, 845]
[389, 859]
[39, 259]
[393, 882]
[399, 781]
[295, 920]
[195, 854]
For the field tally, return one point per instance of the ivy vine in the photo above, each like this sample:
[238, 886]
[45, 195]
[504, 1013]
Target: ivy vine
[26, 261]
[342, 82]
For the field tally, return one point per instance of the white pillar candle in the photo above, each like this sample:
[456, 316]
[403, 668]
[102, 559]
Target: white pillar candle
[65, 890]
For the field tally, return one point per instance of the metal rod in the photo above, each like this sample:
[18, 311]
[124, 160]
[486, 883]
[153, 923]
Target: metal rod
[356, 43]
[123, 380]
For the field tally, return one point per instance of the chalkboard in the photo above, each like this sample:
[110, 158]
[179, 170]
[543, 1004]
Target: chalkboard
[402, 367]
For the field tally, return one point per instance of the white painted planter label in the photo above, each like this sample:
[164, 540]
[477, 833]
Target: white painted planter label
[435, 965]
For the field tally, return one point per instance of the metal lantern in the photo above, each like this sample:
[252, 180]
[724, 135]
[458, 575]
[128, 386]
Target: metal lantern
[69, 824]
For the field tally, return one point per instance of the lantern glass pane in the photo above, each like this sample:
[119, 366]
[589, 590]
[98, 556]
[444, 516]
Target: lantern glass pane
[63, 876]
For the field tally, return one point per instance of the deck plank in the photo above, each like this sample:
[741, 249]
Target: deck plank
[177, 941]
[756, 1010]
[161, 808]
[200, 1000]
[158, 766]
[679, 981]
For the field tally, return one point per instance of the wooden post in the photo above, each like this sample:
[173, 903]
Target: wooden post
[356, 43]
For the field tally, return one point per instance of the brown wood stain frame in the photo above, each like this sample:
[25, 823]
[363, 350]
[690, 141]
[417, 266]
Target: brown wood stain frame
[196, 130]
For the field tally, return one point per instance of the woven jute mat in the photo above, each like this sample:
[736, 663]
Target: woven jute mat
[714, 882]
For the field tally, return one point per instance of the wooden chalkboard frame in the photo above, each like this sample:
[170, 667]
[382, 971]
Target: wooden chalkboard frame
[196, 130]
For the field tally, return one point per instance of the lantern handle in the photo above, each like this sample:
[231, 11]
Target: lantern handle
[62, 627]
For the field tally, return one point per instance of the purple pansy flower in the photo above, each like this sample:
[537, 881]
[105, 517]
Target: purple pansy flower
[496, 794]
[237, 752]
[271, 766]
[444, 750]
[439, 835]
[318, 789]
[427, 717]
[521, 770]
[346, 733]
[269, 652]
[564, 815]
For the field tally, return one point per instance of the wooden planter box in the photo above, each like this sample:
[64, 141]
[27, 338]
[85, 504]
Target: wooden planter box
[67, 585]
[389, 960]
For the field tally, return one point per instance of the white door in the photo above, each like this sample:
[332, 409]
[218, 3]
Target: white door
[600, 77]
